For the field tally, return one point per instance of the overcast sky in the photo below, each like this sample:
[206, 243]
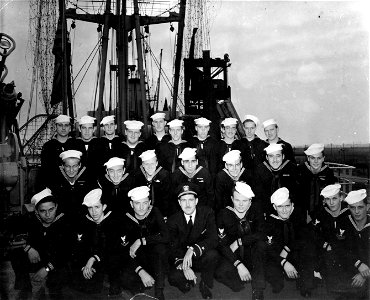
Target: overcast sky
[305, 64]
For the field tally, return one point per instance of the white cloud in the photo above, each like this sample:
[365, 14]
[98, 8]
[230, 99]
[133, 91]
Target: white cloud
[309, 73]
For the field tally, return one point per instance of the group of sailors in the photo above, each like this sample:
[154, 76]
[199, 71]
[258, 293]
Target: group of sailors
[234, 210]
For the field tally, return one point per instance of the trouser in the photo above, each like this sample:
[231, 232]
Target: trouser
[152, 259]
[301, 256]
[253, 260]
[206, 265]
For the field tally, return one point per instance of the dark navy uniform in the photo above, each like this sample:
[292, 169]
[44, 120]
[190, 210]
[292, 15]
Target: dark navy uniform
[222, 148]
[200, 178]
[251, 251]
[130, 155]
[159, 185]
[106, 150]
[153, 142]
[287, 150]
[311, 185]
[98, 240]
[224, 185]
[168, 155]
[151, 255]
[92, 156]
[252, 152]
[52, 243]
[202, 237]
[268, 180]
[206, 153]
[115, 195]
[293, 236]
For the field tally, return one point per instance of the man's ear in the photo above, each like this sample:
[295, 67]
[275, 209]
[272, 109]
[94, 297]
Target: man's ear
[104, 207]
[132, 205]
[274, 206]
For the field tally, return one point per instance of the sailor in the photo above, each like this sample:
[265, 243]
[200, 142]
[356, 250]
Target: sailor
[225, 180]
[116, 183]
[46, 251]
[95, 242]
[228, 137]
[144, 236]
[159, 133]
[324, 225]
[193, 242]
[71, 184]
[62, 141]
[168, 153]
[190, 171]
[156, 179]
[275, 172]
[271, 131]
[131, 149]
[241, 243]
[313, 175]
[290, 246]
[353, 245]
[108, 139]
[251, 147]
[206, 146]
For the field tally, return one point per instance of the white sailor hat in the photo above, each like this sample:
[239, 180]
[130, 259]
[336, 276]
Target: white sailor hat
[269, 122]
[106, 120]
[229, 121]
[273, 148]
[86, 120]
[314, 149]
[188, 153]
[114, 161]
[138, 193]
[175, 123]
[355, 196]
[330, 190]
[202, 121]
[244, 189]
[70, 154]
[41, 195]
[148, 154]
[133, 124]
[158, 115]
[252, 118]
[62, 119]
[92, 198]
[231, 156]
[280, 196]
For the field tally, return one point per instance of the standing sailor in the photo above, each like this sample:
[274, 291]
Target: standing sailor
[228, 132]
[159, 134]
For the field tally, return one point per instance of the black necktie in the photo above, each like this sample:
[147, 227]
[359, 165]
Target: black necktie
[189, 226]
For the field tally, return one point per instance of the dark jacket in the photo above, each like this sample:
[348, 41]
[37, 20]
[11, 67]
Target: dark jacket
[168, 155]
[131, 155]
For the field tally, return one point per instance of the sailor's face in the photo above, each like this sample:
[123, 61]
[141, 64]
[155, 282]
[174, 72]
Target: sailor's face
[358, 210]
[140, 206]
[96, 211]
[71, 166]
[284, 210]
[150, 165]
[202, 131]
[316, 161]
[158, 125]
[234, 168]
[110, 128]
[87, 131]
[176, 133]
[275, 159]
[190, 164]
[47, 212]
[63, 129]
[188, 203]
[132, 135]
[271, 132]
[230, 131]
[250, 129]
[240, 202]
[116, 173]
[333, 203]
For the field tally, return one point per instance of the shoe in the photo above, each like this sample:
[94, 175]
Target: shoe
[305, 293]
[257, 295]
[185, 288]
[158, 293]
[204, 290]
